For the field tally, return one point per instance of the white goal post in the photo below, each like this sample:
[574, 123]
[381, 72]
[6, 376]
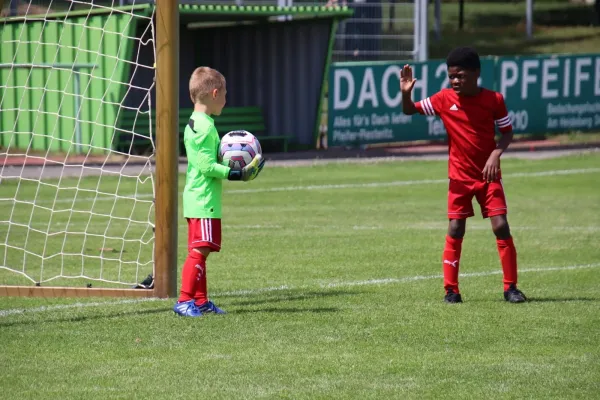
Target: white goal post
[81, 213]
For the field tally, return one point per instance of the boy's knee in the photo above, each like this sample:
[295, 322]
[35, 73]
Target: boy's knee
[500, 227]
[456, 228]
[205, 251]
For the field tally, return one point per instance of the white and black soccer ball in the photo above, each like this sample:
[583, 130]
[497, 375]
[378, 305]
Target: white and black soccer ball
[239, 148]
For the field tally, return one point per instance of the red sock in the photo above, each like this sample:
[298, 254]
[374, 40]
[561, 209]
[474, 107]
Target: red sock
[451, 261]
[508, 259]
[201, 295]
[190, 279]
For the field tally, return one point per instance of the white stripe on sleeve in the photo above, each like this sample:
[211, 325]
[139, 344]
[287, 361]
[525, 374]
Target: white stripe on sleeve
[430, 106]
[424, 107]
[427, 106]
[503, 122]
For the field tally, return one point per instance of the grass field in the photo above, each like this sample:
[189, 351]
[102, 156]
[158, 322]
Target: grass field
[499, 28]
[331, 277]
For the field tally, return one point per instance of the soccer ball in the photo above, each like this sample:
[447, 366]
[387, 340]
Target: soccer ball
[238, 148]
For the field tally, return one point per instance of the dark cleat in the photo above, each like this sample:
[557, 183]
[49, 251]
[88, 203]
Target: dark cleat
[147, 283]
[514, 295]
[452, 297]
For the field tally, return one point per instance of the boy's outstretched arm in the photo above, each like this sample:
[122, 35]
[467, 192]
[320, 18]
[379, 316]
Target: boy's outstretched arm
[407, 83]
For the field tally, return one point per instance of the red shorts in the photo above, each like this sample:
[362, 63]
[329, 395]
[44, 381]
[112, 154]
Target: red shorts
[204, 232]
[490, 197]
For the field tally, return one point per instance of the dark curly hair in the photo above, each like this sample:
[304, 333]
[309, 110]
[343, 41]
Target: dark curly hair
[464, 57]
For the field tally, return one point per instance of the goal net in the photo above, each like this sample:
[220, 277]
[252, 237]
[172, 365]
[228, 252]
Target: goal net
[76, 145]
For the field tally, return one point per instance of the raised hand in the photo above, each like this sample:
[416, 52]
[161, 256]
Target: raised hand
[407, 82]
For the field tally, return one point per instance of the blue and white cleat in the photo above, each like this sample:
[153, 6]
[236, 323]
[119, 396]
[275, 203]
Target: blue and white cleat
[187, 309]
[210, 307]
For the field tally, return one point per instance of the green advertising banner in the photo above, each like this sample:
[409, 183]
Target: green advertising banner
[365, 102]
[552, 93]
[543, 94]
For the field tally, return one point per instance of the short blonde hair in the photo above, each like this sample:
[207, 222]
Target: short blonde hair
[203, 81]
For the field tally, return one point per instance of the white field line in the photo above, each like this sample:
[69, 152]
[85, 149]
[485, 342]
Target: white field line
[386, 281]
[411, 182]
[433, 226]
[5, 313]
[140, 197]
[76, 228]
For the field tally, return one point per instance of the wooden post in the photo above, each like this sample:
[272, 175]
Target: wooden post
[167, 147]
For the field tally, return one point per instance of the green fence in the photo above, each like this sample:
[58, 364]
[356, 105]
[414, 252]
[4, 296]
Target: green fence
[543, 94]
[62, 80]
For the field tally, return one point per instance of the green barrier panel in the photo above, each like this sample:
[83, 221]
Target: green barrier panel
[543, 94]
[365, 102]
[551, 93]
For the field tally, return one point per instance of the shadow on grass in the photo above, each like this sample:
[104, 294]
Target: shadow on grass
[286, 310]
[561, 300]
[83, 318]
[533, 300]
[38, 319]
[280, 297]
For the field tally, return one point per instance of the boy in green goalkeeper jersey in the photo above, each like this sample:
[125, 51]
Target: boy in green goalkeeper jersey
[203, 188]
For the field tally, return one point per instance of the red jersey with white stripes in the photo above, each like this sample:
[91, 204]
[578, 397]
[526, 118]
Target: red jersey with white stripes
[470, 123]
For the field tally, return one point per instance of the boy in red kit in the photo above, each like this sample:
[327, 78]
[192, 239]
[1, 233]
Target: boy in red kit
[470, 114]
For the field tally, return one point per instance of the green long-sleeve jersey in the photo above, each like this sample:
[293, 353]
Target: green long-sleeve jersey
[203, 182]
